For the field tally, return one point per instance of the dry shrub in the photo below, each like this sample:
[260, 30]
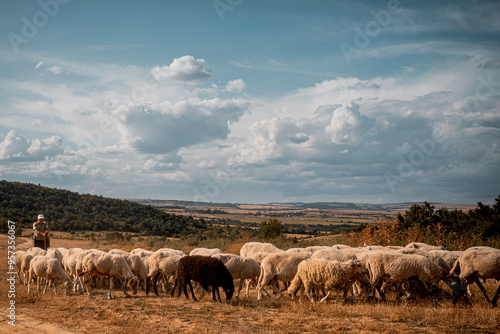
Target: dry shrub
[387, 232]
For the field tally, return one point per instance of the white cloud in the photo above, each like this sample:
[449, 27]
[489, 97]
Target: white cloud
[165, 127]
[185, 69]
[55, 69]
[236, 86]
[38, 65]
[308, 144]
[347, 125]
[15, 146]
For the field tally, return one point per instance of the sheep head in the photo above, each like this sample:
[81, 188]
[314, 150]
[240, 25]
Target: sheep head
[66, 286]
[229, 290]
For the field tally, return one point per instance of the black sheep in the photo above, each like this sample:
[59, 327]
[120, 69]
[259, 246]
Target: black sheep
[207, 271]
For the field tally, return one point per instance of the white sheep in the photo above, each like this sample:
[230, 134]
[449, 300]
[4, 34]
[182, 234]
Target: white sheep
[260, 256]
[250, 248]
[163, 263]
[324, 274]
[137, 250]
[334, 255]
[424, 246]
[314, 249]
[23, 260]
[205, 251]
[144, 254]
[54, 253]
[118, 252]
[175, 251]
[295, 250]
[107, 265]
[449, 256]
[62, 250]
[137, 266]
[50, 269]
[34, 251]
[434, 257]
[242, 268]
[479, 262]
[401, 268]
[279, 266]
[383, 248]
[340, 246]
[73, 265]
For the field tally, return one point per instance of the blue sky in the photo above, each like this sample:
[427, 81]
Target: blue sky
[253, 101]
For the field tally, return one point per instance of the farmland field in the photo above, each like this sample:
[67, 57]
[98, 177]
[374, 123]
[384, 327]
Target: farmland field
[49, 313]
[290, 213]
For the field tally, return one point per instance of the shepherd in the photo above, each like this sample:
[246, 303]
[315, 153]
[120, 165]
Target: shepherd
[41, 233]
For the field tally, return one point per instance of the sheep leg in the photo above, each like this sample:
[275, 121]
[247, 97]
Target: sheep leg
[147, 285]
[326, 297]
[85, 282]
[164, 283]
[133, 284]
[260, 290]
[167, 284]
[495, 299]
[19, 276]
[248, 285]
[482, 289]
[277, 290]
[182, 288]
[215, 291]
[46, 284]
[155, 284]
[349, 288]
[192, 291]
[218, 294]
[308, 291]
[124, 286]
[376, 287]
[111, 285]
[29, 283]
[240, 286]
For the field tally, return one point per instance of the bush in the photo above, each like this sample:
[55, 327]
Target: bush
[271, 229]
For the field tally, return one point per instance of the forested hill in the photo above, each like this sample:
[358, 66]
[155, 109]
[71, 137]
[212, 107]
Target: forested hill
[66, 211]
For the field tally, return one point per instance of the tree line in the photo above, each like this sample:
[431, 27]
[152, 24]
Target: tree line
[66, 211]
[453, 229]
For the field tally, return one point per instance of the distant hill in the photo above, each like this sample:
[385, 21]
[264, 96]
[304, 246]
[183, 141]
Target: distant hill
[66, 210]
[390, 207]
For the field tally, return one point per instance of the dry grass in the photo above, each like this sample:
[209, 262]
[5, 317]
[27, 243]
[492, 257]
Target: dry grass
[150, 314]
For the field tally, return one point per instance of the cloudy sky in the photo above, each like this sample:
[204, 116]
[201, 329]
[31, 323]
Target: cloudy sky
[253, 101]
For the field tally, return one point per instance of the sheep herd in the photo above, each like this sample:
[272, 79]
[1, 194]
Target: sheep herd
[317, 271]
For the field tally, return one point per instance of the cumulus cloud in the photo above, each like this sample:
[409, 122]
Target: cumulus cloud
[347, 125]
[185, 69]
[165, 127]
[15, 146]
[236, 86]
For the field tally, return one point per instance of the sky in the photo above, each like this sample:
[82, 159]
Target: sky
[253, 101]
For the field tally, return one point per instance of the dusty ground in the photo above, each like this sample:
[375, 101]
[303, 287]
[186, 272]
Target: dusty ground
[49, 313]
